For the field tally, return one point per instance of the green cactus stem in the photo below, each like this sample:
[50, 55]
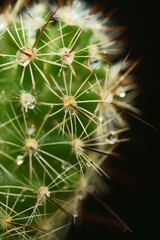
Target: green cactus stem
[59, 92]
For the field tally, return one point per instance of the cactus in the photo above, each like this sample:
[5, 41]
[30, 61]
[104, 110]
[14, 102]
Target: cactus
[61, 100]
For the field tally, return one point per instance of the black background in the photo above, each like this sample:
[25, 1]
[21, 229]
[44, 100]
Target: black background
[134, 188]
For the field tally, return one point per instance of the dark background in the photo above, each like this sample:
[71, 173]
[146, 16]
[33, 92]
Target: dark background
[134, 185]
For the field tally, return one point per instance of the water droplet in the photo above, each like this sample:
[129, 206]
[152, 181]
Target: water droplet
[121, 92]
[31, 129]
[65, 166]
[72, 112]
[22, 199]
[101, 118]
[59, 74]
[89, 163]
[77, 145]
[105, 51]
[66, 110]
[67, 56]
[82, 195]
[42, 193]
[98, 26]
[24, 56]
[27, 100]
[19, 160]
[111, 138]
[94, 63]
[75, 214]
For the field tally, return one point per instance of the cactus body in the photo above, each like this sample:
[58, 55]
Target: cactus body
[59, 119]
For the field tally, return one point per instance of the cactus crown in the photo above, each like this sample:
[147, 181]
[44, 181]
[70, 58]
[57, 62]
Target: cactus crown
[59, 94]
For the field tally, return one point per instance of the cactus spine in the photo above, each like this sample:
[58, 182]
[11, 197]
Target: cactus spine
[59, 94]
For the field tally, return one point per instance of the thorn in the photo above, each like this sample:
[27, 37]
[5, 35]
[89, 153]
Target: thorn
[26, 226]
[39, 36]
[116, 28]
[96, 219]
[27, 54]
[105, 206]
[30, 16]
[136, 117]
[98, 151]
[110, 13]
[63, 210]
